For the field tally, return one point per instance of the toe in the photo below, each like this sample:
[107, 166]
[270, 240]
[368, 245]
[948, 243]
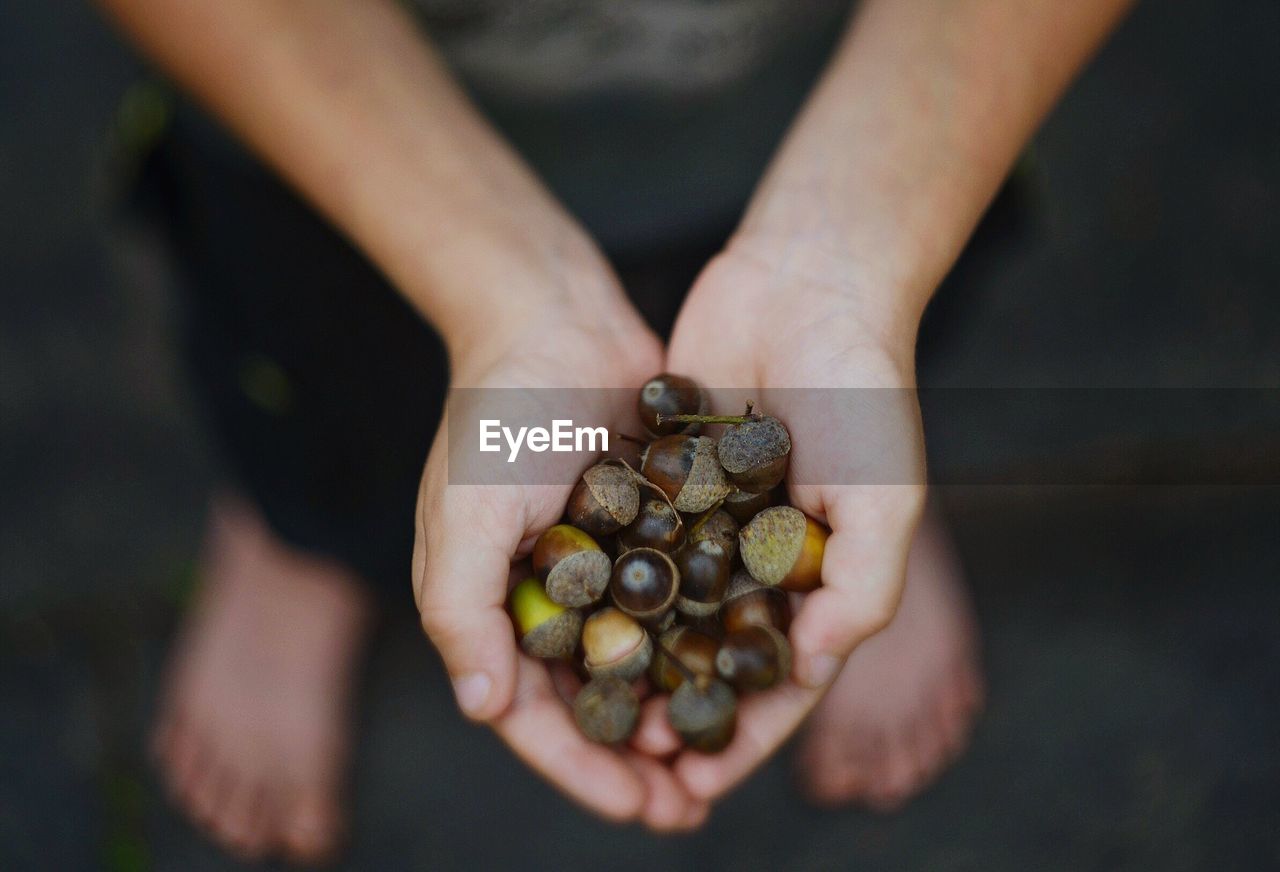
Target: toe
[833, 764]
[311, 827]
[189, 759]
[241, 824]
[207, 796]
[930, 752]
[897, 776]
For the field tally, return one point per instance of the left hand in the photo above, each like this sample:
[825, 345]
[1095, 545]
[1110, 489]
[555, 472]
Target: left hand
[754, 325]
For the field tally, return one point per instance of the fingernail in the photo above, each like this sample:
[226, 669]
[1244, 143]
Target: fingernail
[821, 669]
[472, 691]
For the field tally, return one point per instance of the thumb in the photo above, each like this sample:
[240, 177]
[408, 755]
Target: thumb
[463, 567]
[864, 568]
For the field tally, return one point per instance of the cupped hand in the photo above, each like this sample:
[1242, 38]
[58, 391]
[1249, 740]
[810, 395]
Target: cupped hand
[470, 537]
[831, 355]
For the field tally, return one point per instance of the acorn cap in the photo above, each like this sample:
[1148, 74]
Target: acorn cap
[572, 565]
[605, 500]
[607, 710]
[614, 644]
[687, 470]
[782, 546]
[546, 628]
[705, 714]
[754, 453]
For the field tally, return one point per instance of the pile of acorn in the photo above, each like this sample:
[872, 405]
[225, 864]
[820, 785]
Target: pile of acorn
[679, 572]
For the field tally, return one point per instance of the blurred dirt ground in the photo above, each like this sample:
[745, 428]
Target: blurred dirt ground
[1131, 632]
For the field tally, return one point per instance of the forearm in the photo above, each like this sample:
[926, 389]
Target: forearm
[347, 101]
[910, 133]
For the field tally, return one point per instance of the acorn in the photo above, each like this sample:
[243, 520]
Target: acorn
[687, 470]
[720, 528]
[546, 628]
[571, 565]
[615, 645]
[661, 624]
[695, 651]
[707, 625]
[749, 602]
[704, 712]
[645, 584]
[754, 453]
[704, 577]
[607, 710]
[657, 524]
[782, 547]
[754, 658]
[668, 394]
[605, 499]
[742, 505]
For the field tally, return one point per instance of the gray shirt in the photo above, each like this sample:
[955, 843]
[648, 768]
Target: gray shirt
[651, 119]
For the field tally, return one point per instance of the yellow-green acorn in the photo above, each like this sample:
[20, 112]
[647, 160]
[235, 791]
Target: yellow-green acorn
[546, 628]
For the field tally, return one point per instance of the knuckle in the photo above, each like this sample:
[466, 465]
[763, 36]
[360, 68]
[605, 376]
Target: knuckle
[877, 613]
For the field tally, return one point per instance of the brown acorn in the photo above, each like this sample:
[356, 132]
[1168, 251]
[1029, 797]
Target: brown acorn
[754, 658]
[704, 712]
[688, 471]
[695, 651]
[645, 584]
[657, 524]
[668, 394]
[607, 710]
[720, 528]
[743, 505]
[605, 500]
[749, 602]
[707, 625]
[615, 645]
[704, 577]
[783, 547]
[754, 453]
[571, 565]
[546, 628]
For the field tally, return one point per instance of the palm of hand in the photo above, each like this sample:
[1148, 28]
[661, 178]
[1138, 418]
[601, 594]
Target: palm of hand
[806, 356]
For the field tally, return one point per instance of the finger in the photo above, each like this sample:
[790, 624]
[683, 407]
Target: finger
[864, 569]
[668, 808]
[540, 729]
[654, 735]
[765, 721]
[470, 534]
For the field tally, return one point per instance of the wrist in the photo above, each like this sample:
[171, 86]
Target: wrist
[498, 289]
[832, 292]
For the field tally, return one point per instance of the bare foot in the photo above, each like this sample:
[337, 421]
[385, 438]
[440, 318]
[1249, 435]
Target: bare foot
[903, 707]
[253, 732]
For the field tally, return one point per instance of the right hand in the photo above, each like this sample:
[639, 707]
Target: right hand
[470, 536]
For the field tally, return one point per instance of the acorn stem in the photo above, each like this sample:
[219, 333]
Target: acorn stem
[708, 419]
[676, 661]
[704, 517]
